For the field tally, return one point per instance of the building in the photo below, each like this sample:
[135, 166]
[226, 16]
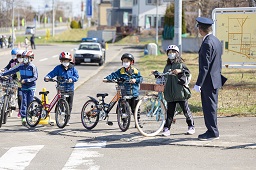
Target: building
[145, 12]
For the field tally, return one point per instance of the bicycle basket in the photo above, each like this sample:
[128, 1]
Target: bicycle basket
[122, 89]
[152, 87]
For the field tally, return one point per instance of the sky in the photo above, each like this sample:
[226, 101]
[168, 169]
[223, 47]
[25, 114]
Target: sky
[39, 5]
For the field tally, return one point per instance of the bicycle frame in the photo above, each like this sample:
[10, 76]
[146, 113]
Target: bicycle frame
[50, 106]
[114, 99]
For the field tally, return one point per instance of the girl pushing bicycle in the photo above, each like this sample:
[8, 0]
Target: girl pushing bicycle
[128, 72]
[176, 89]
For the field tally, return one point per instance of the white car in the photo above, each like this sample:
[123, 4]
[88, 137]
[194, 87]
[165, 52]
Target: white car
[90, 52]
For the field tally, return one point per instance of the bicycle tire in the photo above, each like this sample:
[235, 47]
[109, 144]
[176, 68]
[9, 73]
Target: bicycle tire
[123, 111]
[150, 114]
[1, 112]
[62, 113]
[90, 114]
[34, 111]
[5, 109]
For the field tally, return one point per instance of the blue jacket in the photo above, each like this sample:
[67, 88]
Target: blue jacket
[28, 73]
[133, 73]
[61, 72]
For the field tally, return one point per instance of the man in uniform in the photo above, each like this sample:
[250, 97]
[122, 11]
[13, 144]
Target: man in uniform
[209, 78]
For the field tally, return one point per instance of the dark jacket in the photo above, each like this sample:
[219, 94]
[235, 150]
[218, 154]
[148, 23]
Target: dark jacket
[174, 86]
[131, 89]
[210, 63]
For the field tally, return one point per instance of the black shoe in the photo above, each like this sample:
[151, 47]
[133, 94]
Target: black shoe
[206, 136]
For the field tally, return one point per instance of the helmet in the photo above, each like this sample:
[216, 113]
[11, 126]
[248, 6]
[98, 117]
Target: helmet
[19, 53]
[172, 47]
[14, 51]
[28, 53]
[65, 56]
[128, 56]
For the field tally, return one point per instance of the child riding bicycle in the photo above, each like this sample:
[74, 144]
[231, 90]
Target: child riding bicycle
[65, 72]
[176, 89]
[28, 76]
[128, 72]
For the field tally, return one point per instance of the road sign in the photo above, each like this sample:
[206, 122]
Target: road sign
[236, 30]
[89, 8]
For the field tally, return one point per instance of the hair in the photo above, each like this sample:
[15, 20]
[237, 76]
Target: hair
[205, 28]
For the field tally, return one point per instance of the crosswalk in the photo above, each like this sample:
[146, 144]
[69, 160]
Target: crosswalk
[83, 156]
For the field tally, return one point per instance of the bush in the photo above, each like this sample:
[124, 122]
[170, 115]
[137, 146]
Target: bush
[74, 25]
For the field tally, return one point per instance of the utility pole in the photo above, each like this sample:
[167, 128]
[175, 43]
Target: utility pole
[178, 23]
[157, 22]
[53, 18]
[12, 24]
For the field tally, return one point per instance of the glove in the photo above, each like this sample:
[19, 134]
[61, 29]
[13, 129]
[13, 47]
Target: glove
[197, 88]
[70, 80]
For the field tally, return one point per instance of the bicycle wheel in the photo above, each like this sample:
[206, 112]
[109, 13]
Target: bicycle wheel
[90, 115]
[5, 109]
[150, 114]
[1, 111]
[123, 112]
[62, 113]
[34, 111]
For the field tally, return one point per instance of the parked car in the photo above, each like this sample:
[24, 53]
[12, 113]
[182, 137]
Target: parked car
[90, 52]
[30, 30]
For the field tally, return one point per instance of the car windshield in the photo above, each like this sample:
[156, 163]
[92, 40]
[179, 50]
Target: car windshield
[89, 47]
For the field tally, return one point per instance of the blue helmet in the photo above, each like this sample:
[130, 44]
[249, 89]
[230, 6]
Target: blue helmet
[14, 51]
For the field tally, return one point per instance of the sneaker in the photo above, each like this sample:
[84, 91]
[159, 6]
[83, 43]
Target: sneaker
[166, 132]
[18, 114]
[205, 137]
[191, 130]
[23, 121]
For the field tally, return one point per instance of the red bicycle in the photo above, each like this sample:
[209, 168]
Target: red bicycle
[38, 109]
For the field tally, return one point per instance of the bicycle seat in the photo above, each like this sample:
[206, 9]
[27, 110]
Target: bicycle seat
[103, 95]
[44, 92]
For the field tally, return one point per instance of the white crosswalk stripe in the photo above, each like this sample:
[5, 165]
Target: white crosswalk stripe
[18, 158]
[82, 157]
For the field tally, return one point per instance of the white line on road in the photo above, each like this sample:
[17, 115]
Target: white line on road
[18, 158]
[55, 56]
[43, 59]
[81, 157]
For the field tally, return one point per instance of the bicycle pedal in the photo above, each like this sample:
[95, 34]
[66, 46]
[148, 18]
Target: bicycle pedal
[110, 123]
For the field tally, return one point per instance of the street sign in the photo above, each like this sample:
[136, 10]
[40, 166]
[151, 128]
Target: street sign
[235, 29]
[89, 8]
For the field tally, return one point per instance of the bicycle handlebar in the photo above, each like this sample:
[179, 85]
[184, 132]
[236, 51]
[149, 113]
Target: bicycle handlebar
[158, 74]
[118, 81]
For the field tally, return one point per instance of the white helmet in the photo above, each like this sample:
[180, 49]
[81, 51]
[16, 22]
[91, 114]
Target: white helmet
[172, 47]
[19, 53]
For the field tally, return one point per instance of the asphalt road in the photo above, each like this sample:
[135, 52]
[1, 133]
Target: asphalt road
[106, 147]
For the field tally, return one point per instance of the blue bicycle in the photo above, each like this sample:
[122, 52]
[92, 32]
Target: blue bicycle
[150, 111]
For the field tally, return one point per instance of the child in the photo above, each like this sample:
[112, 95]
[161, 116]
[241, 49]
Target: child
[28, 77]
[174, 91]
[128, 72]
[65, 71]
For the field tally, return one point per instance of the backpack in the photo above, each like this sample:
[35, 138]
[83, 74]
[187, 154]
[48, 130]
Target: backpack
[188, 79]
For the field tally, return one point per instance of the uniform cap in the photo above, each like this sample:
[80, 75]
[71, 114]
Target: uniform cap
[205, 21]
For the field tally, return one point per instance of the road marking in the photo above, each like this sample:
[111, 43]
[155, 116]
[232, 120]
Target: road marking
[43, 59]
[19, 158]
[81, 157]
[55, 56]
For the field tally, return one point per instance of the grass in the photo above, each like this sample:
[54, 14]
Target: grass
[236, 98]
[68, 36]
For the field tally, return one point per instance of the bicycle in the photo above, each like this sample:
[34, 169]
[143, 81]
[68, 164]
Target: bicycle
[151, 109]
[38, 109]
[94, 109]
[8, 97]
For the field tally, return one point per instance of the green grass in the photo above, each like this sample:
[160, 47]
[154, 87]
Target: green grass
[68, 36]
[236, 98]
